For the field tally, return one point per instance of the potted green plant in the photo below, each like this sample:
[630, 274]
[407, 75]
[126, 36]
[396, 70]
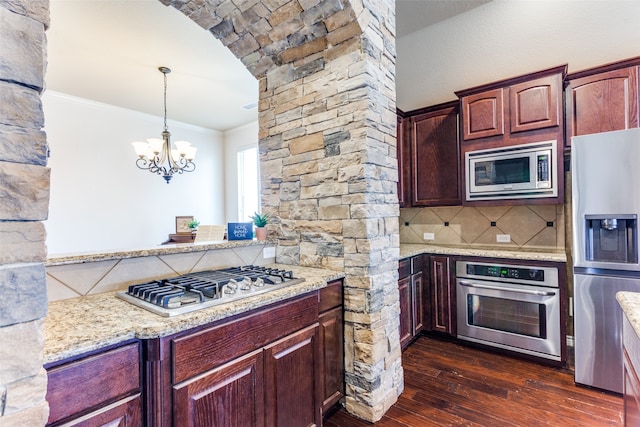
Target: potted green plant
[193, 225]
[260, 221]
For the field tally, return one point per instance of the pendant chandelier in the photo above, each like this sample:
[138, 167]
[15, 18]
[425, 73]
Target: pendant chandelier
[157, 156]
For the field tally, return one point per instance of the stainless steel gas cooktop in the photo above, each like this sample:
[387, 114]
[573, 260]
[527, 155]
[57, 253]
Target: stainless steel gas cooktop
[195, 291]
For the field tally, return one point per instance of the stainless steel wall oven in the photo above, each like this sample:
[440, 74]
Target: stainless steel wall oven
[514, 307]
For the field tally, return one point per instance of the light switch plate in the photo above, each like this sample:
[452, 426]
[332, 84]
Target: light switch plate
[503, 238]
[429, 236]
[269, 252]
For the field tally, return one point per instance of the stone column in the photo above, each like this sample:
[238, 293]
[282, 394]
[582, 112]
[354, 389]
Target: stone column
[329, 174]
[24, 189]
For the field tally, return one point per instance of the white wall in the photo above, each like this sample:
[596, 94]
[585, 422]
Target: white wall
[100, 200]
[234, 140]
[508, 38]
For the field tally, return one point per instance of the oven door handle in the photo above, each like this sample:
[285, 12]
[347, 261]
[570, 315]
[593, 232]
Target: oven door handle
[521, 291]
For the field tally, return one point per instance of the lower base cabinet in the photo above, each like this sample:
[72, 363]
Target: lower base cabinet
[412, 299]
[426, 287]
[276, 366]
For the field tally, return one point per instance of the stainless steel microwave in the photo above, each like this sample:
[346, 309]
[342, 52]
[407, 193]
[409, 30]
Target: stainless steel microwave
[514, 172]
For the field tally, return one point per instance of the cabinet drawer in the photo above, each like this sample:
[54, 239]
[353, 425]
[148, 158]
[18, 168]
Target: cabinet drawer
[331, 296]
[83, 385]
[198, 352]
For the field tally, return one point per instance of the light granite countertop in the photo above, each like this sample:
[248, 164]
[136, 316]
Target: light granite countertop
[409, 250]
[79, 325]
[179, 248]
[630, 303]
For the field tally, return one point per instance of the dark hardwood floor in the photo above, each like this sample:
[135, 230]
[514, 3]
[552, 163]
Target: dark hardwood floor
[447, 384]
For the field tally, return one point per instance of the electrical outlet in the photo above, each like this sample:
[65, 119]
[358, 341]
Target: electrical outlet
[503, 238]
[428, 236]
[269, 252]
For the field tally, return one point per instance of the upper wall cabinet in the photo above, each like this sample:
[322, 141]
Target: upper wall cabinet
[483, 114]
[403, 151]
[603, 99]
[435, 154]
[511, 111]
[536, 104]
[524, 111]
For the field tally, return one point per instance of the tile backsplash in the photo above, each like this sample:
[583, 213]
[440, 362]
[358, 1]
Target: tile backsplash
[536, 227]
[86, 278]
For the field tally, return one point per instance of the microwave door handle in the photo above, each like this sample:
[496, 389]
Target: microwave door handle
[520, 291]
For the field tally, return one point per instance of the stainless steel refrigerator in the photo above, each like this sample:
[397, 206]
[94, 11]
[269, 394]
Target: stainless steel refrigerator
[605, 171]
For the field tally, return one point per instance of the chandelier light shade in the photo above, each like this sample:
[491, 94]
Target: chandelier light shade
[157, 156]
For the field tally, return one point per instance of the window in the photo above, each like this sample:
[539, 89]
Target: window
[248, 198]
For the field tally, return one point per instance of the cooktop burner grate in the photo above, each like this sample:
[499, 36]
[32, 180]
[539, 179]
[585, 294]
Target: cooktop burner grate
[194, 291]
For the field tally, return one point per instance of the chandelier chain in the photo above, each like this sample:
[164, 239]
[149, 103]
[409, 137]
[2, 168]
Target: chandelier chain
[165, 100]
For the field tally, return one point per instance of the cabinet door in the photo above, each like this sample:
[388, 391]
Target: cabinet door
[535, 104]
[442, 295]
[603, 102]
[332, 349]
[435, 158]
[404, 162]
[126, 413]
[291, 383]
[483, 114]
[231, 395]
[417, 302]
[404, 288]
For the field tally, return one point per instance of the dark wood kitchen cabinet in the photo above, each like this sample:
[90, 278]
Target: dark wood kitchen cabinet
[442, 287]
[521, 110]
[99, 389]
[291, 380]
[232, 394]
[281, 365]
[403, 153]
[435, 156]
[503, 110]
[603, 99]
[331, 323]
[411, 294]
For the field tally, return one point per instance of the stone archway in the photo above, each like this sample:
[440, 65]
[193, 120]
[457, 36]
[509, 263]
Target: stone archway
[327, 145]
[328, 162]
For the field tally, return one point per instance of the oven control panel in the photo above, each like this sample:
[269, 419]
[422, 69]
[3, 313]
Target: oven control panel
[506, 272]
[525, 274]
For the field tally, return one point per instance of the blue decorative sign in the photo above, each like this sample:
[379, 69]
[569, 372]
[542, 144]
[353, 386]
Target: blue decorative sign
[240, 231]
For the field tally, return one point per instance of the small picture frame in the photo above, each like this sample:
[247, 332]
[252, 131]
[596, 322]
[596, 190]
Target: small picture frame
[182, 224]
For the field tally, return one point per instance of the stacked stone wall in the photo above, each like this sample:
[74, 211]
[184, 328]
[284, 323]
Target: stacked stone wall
[24, 191]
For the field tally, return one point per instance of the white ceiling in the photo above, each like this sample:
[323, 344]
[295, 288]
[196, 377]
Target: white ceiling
[110, 51]
[414, 15]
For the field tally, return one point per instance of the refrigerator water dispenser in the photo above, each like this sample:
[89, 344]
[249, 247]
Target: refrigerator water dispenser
[611, 238]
